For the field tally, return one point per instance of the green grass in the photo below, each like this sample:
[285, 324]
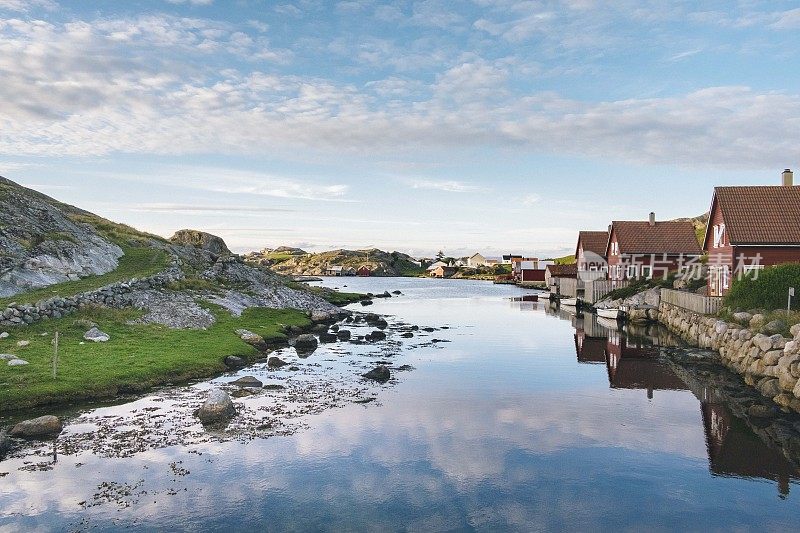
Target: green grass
[769, 290]
[566, 260]
[330, 295]
[136, 263]
[136, 358]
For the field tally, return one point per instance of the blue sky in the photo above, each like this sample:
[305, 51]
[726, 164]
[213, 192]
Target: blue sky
[490, 125]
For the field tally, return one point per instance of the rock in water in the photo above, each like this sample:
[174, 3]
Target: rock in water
[95, 335]
[235, 362]
[248, 381]
[305, 343]
[44, 426]
[327, 337]
[276, 362]
[5, 444]
[376, 335]
[380, 374]
[217, 408]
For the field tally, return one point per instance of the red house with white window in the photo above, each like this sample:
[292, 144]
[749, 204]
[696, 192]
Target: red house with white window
[750, 228]
[590, 252]
[649, 249]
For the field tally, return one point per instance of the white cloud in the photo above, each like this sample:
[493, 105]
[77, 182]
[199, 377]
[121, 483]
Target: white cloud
[531, 199]
[23, 6]
[447, 186]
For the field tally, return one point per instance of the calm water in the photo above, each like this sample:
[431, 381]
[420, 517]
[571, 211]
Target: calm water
[520, 422]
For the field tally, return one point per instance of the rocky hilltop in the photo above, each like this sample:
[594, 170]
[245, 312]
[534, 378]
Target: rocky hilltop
[75, 258]
[379, 263]
[43, 242]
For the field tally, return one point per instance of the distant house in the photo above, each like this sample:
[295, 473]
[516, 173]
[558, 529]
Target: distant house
[508, 259]
[364, 271]
[528, 270]
[436, 265]
[647, 249]
[492, 262]
[590, 252]
[750, 228]
[442, 271]
[335, 270]
[476, 260]
[554, 272]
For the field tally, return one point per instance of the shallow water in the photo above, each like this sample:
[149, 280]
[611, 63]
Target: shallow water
[527, 418]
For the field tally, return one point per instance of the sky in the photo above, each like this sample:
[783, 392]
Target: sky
[479, 125]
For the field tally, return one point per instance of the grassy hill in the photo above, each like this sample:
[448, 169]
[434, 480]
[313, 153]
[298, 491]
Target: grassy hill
[379, 262]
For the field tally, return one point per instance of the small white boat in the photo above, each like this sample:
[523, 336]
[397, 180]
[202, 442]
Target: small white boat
[612, 314]
[572, 302]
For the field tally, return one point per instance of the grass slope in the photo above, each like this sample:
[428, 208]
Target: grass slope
[136, 263]
[136, 358]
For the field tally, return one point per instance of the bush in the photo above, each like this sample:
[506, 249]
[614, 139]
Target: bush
[768, 290]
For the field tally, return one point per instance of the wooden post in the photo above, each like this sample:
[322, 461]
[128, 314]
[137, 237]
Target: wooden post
[55, 355]
[789, 304]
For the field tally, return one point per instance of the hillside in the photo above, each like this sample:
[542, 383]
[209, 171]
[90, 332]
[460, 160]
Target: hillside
[379, 262]
[172, 307]
[699, 223]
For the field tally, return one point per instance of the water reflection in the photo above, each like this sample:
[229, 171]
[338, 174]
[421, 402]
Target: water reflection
[632, 359]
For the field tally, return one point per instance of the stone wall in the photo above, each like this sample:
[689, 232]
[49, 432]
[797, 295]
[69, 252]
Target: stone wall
[113, 295]
[771, 364]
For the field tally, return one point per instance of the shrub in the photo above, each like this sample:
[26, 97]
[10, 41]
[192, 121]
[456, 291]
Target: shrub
[768, 290]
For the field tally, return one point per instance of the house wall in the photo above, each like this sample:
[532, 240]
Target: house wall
[720, 255]
[533, 275]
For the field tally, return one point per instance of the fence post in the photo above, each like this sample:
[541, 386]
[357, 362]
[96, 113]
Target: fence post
[55, 355]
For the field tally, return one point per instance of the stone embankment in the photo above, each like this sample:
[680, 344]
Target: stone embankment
[771, 364]
[113, 295]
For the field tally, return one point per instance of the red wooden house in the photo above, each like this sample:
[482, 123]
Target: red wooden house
[650, 249]
[751, 227]
[590, 253]
[364, 271]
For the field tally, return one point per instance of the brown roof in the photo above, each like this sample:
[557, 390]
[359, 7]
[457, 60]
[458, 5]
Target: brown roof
[563, 271]
[593, 241]
[668, 237]
[761, 214]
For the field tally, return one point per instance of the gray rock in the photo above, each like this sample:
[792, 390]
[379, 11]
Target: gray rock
[306, 343]
[5, 444]
[248, 381]
[376, 335]
[4, 335]
[44, 426]
[757, 321]
[235, 362]
[217, 408]
[344, 335]
[743, 317]
[7, 357]
[380, 374]
[795, 330]
[763, 342]
[770, 388]
[23, 344]
[382, 324]
[17, 362]
[95, 335]
[327, 337]
[276, 362]
[776, 326]
[253, 339]
[201, 240]
[407, 335]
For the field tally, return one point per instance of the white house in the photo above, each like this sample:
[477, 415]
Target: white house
[436, 265]
[476, 260]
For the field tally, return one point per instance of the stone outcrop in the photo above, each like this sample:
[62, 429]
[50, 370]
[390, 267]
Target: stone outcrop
[770, 363]
[113, 295]
[44, 426]
[201, 240]
[43, 242]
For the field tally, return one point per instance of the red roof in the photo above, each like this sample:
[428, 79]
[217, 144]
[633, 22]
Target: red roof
[593, 241]
[563, 271]
[668, 237]
[760, 214]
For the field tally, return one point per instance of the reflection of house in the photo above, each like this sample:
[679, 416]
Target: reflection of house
[634, 364]
[747, 222]
[649, 249]
[442, 272]
[734, 450]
